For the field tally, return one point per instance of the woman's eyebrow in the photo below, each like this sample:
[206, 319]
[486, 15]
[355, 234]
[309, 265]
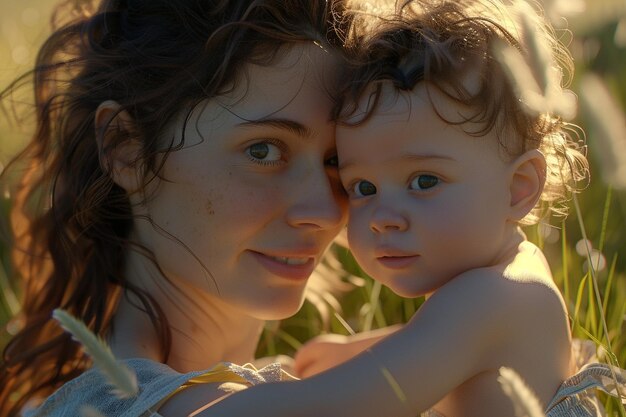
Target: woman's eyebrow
[289, 125]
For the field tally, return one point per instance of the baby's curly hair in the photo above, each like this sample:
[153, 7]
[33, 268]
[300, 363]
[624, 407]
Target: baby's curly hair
[443, 43]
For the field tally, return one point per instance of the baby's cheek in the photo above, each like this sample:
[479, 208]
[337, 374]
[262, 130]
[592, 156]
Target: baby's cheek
[451, 216]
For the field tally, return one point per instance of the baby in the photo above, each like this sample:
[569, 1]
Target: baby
[443, 162]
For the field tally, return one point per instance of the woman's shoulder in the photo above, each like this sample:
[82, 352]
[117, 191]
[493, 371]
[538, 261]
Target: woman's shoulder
[156, 382]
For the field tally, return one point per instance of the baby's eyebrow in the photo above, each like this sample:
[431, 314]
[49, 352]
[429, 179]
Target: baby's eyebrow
[426, 157]
[406, 156]
[289, 125]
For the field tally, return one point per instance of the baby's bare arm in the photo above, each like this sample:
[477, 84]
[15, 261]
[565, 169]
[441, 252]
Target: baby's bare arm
[329, 350]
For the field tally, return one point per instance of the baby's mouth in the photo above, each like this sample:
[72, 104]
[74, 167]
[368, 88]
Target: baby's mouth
[397, 261]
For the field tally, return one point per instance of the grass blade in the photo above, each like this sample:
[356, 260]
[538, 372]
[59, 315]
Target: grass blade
[609, 124]
[524, 400]
[122, 378]
[10, 299]
[564, 255]
[600, 303]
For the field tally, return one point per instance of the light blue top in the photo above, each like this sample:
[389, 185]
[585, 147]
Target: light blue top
[156, 383]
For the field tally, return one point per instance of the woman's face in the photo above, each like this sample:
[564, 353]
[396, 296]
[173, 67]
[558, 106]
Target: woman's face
[253, 198]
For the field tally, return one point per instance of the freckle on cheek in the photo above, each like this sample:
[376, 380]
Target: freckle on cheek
[209, 207]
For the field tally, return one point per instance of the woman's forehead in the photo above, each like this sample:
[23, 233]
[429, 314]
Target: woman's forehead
[304, 70]
[291, 91]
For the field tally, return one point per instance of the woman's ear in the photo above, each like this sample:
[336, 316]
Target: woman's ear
[118, 148]
[528, 176]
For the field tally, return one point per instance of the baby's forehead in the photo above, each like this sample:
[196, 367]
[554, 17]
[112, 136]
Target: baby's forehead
[423, 114]
[425, 101]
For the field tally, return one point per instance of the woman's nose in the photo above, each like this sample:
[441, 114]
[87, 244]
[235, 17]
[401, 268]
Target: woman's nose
[318, 203]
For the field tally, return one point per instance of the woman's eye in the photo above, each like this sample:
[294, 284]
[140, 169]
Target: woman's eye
[424, 182]
[265, 152]
[332, 162]
[363, 188]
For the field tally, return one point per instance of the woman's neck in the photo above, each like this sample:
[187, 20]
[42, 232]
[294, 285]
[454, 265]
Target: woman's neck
[204, 330]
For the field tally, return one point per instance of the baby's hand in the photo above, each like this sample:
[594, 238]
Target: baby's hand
[323, 352]
[329, 350]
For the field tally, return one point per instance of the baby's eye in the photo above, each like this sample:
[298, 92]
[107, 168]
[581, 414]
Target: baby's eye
[264, 152]
[363, 188]
[423, 182]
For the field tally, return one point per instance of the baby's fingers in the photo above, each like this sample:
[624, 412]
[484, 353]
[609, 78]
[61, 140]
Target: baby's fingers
[319, 354]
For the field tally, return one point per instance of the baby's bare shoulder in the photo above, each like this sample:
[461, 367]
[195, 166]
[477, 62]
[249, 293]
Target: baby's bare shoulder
[520, 290]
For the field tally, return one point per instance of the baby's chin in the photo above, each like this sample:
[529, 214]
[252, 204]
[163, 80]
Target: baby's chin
[409, 286]
[404, 292]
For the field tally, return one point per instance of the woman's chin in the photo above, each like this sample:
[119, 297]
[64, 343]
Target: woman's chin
[280, 310]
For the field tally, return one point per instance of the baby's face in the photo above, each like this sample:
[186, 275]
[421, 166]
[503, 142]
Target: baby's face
[427, 200]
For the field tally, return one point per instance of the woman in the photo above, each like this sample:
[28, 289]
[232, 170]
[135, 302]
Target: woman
[180, 188]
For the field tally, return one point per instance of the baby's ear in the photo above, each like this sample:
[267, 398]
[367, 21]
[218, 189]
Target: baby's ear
[118, 148]
[528, 176]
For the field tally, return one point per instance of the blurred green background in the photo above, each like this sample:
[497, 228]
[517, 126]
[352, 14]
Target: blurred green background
[24, 25]
[596, 35]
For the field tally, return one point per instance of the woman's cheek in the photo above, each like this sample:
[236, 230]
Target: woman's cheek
[252, 200]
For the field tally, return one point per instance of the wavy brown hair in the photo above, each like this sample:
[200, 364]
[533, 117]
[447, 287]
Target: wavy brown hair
[71, 222]
[443, 44]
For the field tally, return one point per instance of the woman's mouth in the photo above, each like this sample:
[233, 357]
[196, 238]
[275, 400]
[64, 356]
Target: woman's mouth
[291, 260]
[295, 268]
